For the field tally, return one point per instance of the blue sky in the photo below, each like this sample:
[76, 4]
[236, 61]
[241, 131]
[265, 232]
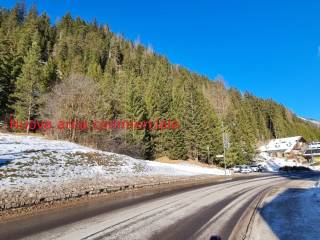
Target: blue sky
[269, 48]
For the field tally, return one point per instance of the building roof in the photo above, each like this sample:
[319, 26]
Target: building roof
[281, 144]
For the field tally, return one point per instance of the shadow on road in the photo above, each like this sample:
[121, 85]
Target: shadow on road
[4, 162]
[215, 238]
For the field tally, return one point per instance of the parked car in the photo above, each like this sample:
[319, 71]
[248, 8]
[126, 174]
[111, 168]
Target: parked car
[236, 168]
[245, 169]
[255, 168]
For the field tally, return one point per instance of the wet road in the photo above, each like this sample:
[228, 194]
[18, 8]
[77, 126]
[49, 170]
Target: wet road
[201, 213]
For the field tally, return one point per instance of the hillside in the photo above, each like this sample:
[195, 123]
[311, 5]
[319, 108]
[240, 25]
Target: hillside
[34, 169]
[76, 70]
[33, 161]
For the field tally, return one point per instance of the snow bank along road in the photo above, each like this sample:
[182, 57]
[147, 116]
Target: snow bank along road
[292, 212]
[200, 213]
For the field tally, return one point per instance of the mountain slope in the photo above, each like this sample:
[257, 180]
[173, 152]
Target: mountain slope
[83, 71]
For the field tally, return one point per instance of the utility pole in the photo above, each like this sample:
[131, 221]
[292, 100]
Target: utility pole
[312, 160]
[225, 146]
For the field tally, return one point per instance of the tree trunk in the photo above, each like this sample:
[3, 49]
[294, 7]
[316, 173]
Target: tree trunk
[29, 116]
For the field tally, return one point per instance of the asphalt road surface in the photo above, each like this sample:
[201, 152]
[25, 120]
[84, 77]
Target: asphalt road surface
[209, 212]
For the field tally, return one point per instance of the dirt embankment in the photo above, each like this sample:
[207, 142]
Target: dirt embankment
[29, 201]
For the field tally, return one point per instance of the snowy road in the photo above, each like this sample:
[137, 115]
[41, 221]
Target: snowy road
[200, 213]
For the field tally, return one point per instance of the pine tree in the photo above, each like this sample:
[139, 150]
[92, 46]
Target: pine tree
[199, 124]
[135, 111]
[10, 66]
[29, 85]
[94, 71]
[50, 75]
[176, 144]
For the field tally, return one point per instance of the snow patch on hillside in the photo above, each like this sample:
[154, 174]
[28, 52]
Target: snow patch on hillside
[32, 160]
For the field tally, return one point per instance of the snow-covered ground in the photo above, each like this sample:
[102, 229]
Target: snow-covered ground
[32, 160]
[272, 164]
[292, 214]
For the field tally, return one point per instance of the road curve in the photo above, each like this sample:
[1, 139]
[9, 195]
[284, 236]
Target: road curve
[209, 212]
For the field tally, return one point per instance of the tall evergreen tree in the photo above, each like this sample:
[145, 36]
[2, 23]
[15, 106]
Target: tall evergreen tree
[29, 85]
[10, 66]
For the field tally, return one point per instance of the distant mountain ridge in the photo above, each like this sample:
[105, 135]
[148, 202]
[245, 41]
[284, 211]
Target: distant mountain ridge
[313, 121]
